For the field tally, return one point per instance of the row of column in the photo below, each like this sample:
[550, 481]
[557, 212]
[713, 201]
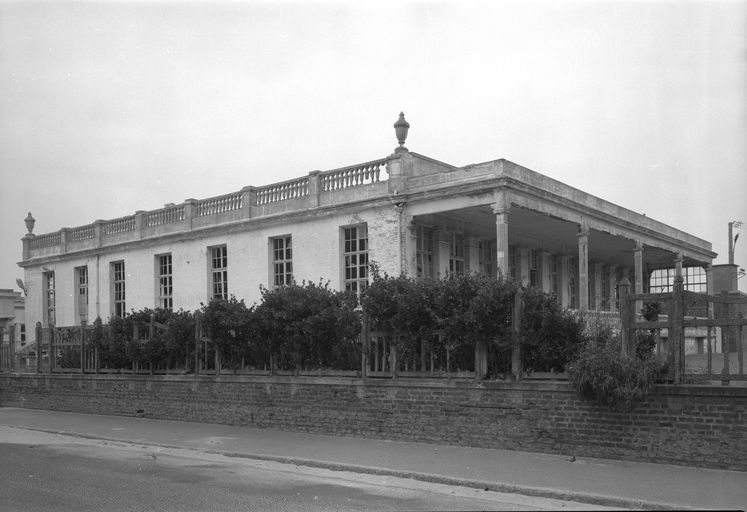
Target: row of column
[501, 211]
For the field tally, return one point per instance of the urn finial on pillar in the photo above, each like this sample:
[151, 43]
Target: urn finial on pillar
[30, 221]
[400, 129]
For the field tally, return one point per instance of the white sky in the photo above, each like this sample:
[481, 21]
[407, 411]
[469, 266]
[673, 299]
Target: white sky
[108, 108]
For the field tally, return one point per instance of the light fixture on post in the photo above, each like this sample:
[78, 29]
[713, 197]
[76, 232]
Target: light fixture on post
[733, 239]
[400, 129]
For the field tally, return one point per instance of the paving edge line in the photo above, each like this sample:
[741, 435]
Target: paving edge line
[537, 492]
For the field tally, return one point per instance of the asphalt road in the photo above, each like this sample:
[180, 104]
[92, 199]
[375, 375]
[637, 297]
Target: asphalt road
[41, 471]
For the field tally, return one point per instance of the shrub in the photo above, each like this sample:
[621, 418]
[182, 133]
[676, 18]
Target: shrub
[551, 336]
[465, 308]
[310, 326]
[228, 324]
[601, 372]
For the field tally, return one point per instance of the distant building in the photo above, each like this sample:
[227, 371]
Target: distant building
[407, 212]
[12, 316]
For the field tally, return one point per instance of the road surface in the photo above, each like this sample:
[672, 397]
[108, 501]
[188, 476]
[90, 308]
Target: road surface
[42, 471]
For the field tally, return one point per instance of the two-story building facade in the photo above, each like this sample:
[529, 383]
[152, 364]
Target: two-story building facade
[407, 212]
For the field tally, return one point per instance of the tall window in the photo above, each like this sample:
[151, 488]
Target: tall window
[424, 252]
[573, 283]
[23, 333]
[512, 262]
[165, 282]
[487, 258]
[49, 298]
[555, 274]
[118, 279]
[456, 253]
[219, 271]
[534, 279]
[81, 303]
[282, 261]
[355, 255]
[605, 288]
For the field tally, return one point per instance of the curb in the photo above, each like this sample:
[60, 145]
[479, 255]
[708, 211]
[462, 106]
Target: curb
[537, 492]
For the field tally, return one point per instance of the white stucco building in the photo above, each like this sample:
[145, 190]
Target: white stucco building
[407, 212]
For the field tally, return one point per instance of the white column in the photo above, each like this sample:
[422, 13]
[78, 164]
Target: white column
[638, 260]
[583, 267]
[501, 209]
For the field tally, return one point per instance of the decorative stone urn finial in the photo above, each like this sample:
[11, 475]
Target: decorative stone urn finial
[30, 221]
[400, 129]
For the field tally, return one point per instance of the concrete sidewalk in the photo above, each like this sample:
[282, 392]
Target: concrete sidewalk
[596, 481]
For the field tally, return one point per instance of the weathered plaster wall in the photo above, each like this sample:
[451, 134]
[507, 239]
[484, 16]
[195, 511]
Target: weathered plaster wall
[316, 256]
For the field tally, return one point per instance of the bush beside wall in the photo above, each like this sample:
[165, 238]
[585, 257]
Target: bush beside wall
[693, 425]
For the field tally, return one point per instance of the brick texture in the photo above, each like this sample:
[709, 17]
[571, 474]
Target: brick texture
[701, 426]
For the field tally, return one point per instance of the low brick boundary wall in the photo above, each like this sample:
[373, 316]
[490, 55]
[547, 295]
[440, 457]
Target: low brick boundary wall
[693, 425]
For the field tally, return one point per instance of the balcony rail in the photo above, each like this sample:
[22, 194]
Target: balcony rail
[117, 226]
[292, 189]
[298, 188]
[363, 174]
[167, 215]
[44, 241]
[82, 233]
[220, 204]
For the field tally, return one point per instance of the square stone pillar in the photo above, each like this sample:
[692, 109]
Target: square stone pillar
[583, 267]
[638, 262]
[411, 248]
[315, 188]
[501, 244]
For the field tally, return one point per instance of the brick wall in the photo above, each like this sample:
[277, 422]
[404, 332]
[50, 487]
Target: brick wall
[703, 426]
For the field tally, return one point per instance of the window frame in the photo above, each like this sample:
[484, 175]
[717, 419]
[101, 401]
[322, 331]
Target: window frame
[355, 259]
[81, 277]
[281, 261]
[425, 252]
[457, 253]
[119, 289]
[49, 299]
[165, 281]
[218, 284]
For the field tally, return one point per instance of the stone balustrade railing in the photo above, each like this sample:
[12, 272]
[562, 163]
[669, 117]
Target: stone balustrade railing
[347, 177]
[292, 189]
[122, 225]
[245, 204]
[82, 233]
[166, 215]
[220, 204]
[44, 241]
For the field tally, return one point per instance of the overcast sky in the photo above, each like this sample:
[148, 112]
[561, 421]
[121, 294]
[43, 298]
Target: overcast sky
[108, 108]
